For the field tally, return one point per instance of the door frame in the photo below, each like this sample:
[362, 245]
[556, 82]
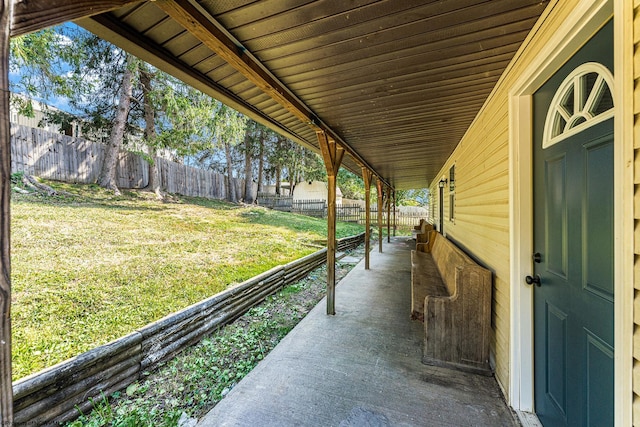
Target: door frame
[585, 19]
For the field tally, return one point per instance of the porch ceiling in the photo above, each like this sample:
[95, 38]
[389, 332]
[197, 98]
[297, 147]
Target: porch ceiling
[399, 82]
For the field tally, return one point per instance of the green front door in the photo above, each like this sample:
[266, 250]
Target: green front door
[573, 245]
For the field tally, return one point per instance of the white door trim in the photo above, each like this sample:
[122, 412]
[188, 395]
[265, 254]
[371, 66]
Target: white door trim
[624, 229]
[585, 19]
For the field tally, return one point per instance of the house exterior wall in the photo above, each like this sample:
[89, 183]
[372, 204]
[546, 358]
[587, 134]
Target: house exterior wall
[636, 209]
[481, 217]
[38, 116]
[481, 206]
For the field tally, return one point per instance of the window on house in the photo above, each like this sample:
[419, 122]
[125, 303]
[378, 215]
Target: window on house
[584, 98]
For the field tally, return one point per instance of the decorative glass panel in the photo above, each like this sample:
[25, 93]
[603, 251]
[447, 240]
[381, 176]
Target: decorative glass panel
[582, 100]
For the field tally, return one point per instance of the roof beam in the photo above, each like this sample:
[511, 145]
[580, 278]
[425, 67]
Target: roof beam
[205, 28]
[30, 16]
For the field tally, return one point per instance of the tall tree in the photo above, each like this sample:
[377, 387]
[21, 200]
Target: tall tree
[277, 160]
[146, 81]
[251, 137]
[229, 182]
[261, 141]
[351, 185]
[101, 69]
[107, 177]
[182, 119]
[229, 128]
[294, 163]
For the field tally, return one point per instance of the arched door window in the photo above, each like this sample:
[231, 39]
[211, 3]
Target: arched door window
[583, 99]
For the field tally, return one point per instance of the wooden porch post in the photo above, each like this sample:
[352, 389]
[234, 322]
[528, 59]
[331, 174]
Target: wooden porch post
[6, 388]
[388, 214]
[367, 175]
[380, 198]
[332, 155]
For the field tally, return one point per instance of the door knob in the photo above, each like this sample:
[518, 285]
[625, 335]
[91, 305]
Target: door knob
[535, 279]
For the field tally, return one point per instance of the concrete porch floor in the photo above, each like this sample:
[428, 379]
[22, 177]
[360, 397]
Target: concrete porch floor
[362, 366]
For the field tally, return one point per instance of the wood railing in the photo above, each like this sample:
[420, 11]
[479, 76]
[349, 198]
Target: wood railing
[59, 393]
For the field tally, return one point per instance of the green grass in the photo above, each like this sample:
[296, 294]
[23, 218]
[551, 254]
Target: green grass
[193, 382]
[90, 268]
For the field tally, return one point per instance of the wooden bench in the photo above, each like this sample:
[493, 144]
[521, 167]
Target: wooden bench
[451, 294]
[422, 236]
[422, 228]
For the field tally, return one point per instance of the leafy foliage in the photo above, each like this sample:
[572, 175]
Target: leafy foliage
[40, 61]
[351, 185]
[414, 197]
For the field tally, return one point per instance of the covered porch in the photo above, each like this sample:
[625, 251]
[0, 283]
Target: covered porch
[409, 94]
[361, 366]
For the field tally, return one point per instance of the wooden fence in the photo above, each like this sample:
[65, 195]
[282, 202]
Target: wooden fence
[403, 219]
[351, 213]
[64, 158]
[344, 213]
[273, 201]
[57, 394]
[314, 208]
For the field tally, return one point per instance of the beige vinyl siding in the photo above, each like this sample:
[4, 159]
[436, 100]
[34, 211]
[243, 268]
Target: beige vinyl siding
[482, 185]
[636, 272]
[636, 347]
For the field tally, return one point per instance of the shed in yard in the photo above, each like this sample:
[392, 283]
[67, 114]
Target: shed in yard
[314, 190]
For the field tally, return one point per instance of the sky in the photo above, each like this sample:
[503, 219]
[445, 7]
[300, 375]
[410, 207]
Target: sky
[59, 102]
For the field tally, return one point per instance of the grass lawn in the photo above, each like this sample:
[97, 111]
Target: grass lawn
[193, 382]
[91, 268]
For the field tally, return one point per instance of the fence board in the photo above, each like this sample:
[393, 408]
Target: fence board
[59, 157]
[314, 208]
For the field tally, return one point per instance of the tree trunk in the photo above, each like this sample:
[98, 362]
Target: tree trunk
[248, 169]
[261, 161]
[278, 173]
[107, 178]
[278, 166]
[150, 132]
[293, 172]
[154, 173]
[231, 187]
